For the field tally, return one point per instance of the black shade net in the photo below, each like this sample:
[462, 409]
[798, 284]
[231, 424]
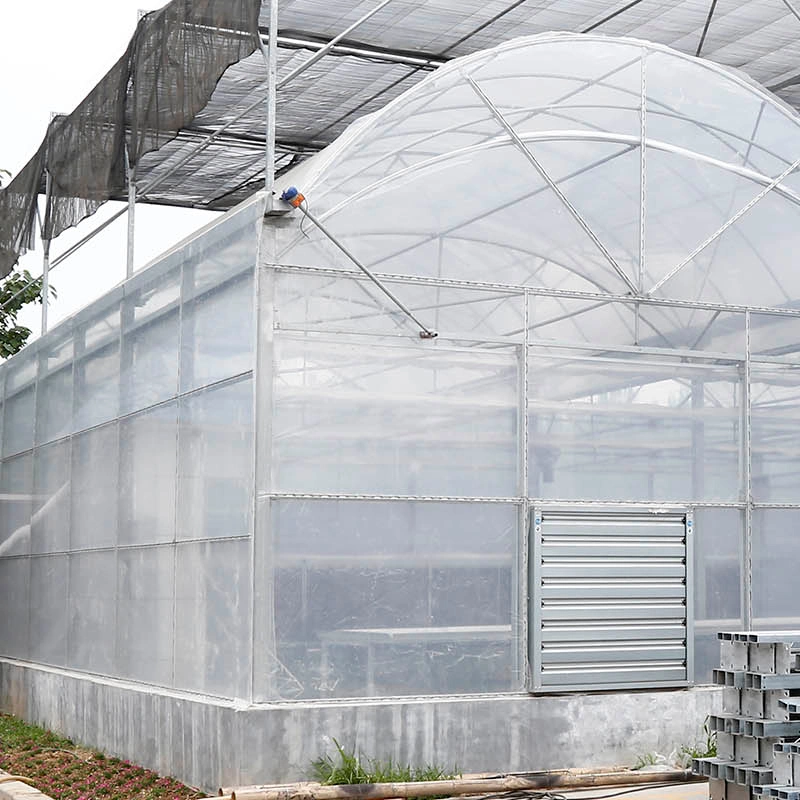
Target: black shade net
[165, 77]
[193, 67]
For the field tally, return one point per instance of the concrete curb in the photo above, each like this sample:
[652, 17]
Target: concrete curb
[17, 790]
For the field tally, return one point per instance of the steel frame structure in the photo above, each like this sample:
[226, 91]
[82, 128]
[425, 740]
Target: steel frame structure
[639, 297]
[526, 500]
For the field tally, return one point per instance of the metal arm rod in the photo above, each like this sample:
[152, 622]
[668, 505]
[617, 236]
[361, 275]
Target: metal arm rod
[425, 332]
[705, 29]
[740, 213]
[88, 238]
[67, 253]
[331, 44]
[366, 51]
[525, 150]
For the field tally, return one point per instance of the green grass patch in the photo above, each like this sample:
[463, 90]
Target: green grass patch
[14, 733]
[346, 767]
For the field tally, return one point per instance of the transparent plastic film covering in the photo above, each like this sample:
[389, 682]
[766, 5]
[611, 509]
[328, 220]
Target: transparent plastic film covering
[572, 163]
[126, 474]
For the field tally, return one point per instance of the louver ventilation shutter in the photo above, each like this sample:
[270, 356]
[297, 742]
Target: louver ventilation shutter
[610, 601]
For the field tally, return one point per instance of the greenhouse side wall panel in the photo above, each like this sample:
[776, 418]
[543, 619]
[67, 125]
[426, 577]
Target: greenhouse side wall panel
[127, 476]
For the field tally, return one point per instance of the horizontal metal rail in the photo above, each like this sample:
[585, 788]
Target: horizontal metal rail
[540, 291]
[299, 42]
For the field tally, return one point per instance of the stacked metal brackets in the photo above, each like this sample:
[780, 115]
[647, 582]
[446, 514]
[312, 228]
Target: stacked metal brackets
[756, 753]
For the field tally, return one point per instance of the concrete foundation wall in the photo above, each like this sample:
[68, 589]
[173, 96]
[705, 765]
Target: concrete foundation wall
[208, 743]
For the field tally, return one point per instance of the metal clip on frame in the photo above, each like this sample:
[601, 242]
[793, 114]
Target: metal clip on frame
[295, 199]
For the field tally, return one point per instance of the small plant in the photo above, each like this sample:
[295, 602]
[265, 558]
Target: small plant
[645, 760]
[347, 768]
[706, 749]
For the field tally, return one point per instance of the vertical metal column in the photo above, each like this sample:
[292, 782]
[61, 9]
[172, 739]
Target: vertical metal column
[642, 171]
[747, 567]
[264, 658]
[45, 283]
[272, 80]
[698, 438]
[264, 669]
[130, 173]
[46, 247]
[642, 188]
[521, 568]
[690, 598]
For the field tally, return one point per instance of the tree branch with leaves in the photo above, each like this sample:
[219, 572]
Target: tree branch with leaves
[18, 290]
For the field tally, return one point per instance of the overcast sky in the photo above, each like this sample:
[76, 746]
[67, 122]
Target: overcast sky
[51, 55]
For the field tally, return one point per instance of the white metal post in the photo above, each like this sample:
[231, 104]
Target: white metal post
[130, 172]
[45, 283]
[747, 568]
[272, 91]
[46, 247]
[642, 172]
[522, 571]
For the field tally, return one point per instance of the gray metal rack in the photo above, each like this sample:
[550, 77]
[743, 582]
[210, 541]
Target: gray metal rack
[757, 755]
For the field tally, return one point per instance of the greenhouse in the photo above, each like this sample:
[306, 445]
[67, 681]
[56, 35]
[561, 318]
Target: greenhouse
[498, 409]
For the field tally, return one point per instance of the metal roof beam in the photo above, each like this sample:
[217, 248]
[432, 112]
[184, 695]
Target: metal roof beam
[705, 28]
[608, 15]
[792, 8]
[305, 41]
[526, 151]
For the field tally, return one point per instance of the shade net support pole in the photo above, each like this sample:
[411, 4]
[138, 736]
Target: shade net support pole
[130, 175]
[271, 58]
[46, 248]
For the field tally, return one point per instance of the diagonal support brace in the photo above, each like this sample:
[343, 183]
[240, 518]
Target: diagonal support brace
[717, 233]
[293, 198]
[526, 151]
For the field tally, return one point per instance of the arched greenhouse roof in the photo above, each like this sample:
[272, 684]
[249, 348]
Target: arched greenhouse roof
[570, 162]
